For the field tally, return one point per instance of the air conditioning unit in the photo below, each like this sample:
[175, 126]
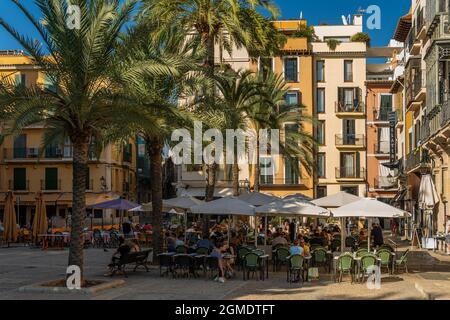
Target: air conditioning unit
[33, 152]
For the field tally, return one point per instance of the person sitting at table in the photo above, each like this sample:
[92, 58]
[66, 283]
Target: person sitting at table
[217, 253]
[123, 250]
[377, 235]
[305, 246]
[229, 262]
[204, 243]
[296, 249]
[170, 242]
[180, 240]
[126, 228]
[362, 235]
[279, 239]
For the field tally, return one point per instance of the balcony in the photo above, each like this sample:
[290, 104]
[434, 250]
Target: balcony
[348, 108]
[19, 185]
[437, 119]
[434, 10]
[400, 123]
[420, 24]
[270, 181]
[51, 185]
[388, 182]
[416, 160]
[350, 141]
[349, 173]
[381, 148]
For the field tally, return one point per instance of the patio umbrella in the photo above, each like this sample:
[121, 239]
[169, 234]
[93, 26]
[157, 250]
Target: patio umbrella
[298, 197]
[257, 198]
[336, 200]
[40, 223]
[10, 219]
[369, 208]
[428, 199]
[116, 204]
[230, 206]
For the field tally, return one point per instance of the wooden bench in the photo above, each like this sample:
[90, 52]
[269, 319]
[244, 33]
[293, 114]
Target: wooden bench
[136, 258]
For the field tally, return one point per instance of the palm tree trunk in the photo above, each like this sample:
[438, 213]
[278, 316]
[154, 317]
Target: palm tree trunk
[257, 168]
[235, 177]
[80, 158]
[155, 154]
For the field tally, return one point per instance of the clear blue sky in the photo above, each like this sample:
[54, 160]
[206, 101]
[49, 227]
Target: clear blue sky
[315, 11]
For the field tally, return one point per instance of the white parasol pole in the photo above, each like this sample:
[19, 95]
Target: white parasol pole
[342, 235]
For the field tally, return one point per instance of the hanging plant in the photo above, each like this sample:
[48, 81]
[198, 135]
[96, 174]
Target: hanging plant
[333, 43]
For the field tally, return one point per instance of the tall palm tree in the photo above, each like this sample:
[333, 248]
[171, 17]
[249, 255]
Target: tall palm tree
[223, 23]
[269, 113]
[85, 102]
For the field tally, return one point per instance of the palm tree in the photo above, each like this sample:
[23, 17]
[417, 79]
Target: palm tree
[80, 63]
[156, 113]
[218, 22]
[268, 113]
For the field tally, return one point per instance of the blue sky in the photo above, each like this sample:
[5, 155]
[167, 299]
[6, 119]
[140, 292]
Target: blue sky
[316, 12]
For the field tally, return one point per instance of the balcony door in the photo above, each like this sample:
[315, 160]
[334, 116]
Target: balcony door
[349, 165]
[291, 170]
[349, 99]
[20, 146]
[266, 170]
[349, 131]
[51, 179]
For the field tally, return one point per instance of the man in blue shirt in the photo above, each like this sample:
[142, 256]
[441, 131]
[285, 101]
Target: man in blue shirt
[296, 249]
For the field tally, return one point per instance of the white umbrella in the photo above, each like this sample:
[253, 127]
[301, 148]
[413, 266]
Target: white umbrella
[257, 198]
[336, 200]
[292, 208]
[298, 197]
[428, 199]
[369, 208]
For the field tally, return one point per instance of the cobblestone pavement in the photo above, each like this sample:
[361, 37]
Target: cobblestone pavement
[429, 277]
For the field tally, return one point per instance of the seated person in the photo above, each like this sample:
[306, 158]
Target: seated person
[217, 253]
[362, 236]
[306, 248]
[134, 245]
[170, 241]
[147, 227]
[123, 250]
[179, 241]
[204, 243]
[229, 262]
[296, 249]
[279, 239]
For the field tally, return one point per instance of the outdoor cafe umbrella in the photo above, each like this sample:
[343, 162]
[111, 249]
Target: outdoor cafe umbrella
[291, 207]
[40, 223]
[428, 199]
[116, 204]
[257, 198]
[369, 208]
[298, 197]
[10, 219]
[225, 206]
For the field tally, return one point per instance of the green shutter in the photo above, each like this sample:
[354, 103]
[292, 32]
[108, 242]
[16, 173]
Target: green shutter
[20, 178]
[51, 179]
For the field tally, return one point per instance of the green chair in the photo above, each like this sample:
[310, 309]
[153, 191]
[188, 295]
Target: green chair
[259, 252]
[345, 265]
[315, 246]
[281, 256]
[295, 268]
[386, 246]
[180, 249]
[242, 251]
[202, 250]
[402, 262]
[385, 257]
[367, 260]
[336, 245]
[250, 264]
[361, 252]
[363, 244]
[320, 258]
[350, 242]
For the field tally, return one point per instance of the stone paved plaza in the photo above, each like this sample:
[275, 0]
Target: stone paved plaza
[429, 277]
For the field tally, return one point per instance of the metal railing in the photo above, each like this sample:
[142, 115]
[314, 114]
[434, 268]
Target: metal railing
[355, 106]
[17, 185]
[420, 20]
[384, 182]
[270, 180]
[350, 173]
[350, 140]
[51, 185]
[411, 38]
[413, 160]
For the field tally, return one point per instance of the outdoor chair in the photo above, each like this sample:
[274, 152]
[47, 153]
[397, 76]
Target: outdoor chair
[98, 239]
[385, 256]
[363, 244]
[320, 258]
[180, 249]
[183, 265]
[259, 252]
[314, 247]
[402, 262]
[242, 251]
[278, 245]
[165, 261]
[202, 250]
[345, 265]
[250, 264]
[361, 252]
[212, 266]
[367, 261]
[350, 242]
[335, 245]
[295, 268]
[386, 246]
[280, 258]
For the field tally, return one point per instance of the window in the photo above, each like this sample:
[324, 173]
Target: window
[321, 165]
[385, 107]
[350, 189]
[266, 170]
[320, 100]
[51, 179]
[349, 165]
[321, 191]
[348, 70]
[293, 101]
[291, 69]
[68, 149]
[320, 132]
[348, 132]
[320, 71]
[20, 79]
[291, 170]
[265, 66]
[349, 99]
[20, 146]
[20, 179]
[127, 150]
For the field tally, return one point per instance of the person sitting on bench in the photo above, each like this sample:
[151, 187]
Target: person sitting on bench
[121, 252]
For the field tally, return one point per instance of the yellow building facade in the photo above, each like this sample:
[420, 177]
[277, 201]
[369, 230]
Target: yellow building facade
[27, 168]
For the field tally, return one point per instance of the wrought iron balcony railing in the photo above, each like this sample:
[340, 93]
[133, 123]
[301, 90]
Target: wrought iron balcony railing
[356, 140]
[350, 107]
[350, 173]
